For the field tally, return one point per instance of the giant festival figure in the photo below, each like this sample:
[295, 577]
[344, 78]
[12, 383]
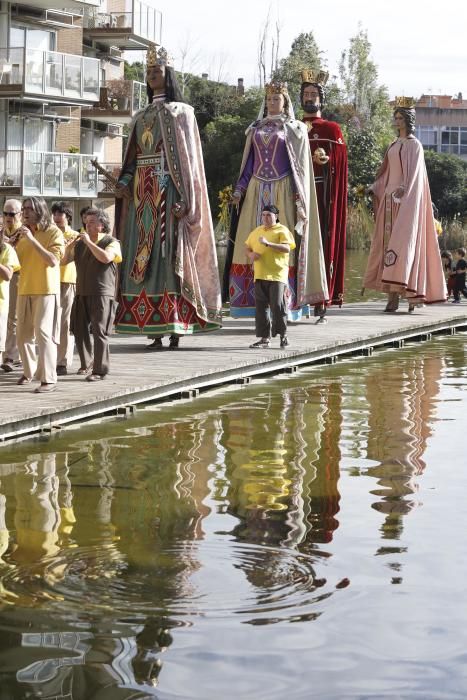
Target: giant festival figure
[169, 282]
[329, 154]
[277, 170]
[404, 258]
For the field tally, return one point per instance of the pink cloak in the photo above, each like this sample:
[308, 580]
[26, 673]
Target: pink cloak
[404, 255]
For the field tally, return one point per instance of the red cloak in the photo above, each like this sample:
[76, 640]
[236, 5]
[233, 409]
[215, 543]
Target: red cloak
[331, 190]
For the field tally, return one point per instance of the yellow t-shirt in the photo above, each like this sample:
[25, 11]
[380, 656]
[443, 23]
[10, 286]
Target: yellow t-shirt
[68, 272]
[36, 277]
[113, 246]
[7, 257]
[273, 265]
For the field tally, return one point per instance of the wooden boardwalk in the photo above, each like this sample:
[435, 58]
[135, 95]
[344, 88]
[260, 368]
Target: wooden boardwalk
[141, 376]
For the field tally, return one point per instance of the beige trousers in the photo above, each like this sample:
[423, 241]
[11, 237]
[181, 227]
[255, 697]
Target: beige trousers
[38, 322]
[67, 341]
[3, 326]
[11, 348]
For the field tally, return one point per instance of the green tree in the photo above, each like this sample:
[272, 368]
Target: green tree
[134, 71]
[223, 143]
[368, 114]
[304, 53]
[447, 175]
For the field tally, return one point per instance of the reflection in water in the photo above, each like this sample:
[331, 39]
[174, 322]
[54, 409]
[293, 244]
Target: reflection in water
[114, 550]
[401, 407]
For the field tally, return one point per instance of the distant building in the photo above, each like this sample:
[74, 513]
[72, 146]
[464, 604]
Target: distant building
[63, 99]
[442, 124]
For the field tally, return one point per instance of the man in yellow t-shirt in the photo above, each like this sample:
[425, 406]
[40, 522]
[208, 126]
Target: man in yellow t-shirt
[268, 247]
[9, 264]
[40, 249]
[63, 216]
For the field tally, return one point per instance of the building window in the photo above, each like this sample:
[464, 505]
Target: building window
[454, 140]
[428, 136]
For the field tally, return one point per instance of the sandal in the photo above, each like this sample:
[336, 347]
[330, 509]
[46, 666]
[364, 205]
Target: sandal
[263, 344]
[24, 380]
[84, 370]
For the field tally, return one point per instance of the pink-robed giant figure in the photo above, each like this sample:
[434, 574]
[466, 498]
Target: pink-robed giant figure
[404, 257]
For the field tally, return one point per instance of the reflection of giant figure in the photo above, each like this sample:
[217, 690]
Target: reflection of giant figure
[404, 257]
[169, 279]
[329, 154]
[399, 427]
[277, 169]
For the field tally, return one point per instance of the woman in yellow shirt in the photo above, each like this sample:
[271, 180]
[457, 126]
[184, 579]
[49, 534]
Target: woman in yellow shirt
[40, 249]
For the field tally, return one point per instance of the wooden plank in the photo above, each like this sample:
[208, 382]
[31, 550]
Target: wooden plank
[139, 375]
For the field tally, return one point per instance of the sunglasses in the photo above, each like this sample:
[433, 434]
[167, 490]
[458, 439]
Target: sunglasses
[10, 213]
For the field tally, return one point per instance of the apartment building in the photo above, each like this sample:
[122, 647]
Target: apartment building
[63, 99]
[442, 124]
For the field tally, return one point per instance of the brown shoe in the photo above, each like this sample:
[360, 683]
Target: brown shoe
[84, 370]
[61, 371]
[45, 388]
[24, 380]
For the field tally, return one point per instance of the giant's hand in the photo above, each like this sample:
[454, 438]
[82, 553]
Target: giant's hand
[179, 209]
[122, 191]
[236, 197]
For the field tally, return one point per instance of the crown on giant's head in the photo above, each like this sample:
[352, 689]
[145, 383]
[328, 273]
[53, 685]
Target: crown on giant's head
[405, 102]
[309, 75]
[276, 88]
[158, 57]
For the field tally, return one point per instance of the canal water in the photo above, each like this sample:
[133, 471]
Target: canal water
[299, 538]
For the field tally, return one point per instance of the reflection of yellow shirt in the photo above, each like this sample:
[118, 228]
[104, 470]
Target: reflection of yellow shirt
[68, 272]
[7, 257]
[272, 265]
[36, 277]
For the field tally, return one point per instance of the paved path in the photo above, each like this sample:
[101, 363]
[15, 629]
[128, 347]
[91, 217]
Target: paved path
[208, 360]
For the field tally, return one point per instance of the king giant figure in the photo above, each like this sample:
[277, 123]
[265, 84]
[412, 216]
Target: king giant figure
[329, 154]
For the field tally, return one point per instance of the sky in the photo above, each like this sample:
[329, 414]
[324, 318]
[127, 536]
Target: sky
[418, 46]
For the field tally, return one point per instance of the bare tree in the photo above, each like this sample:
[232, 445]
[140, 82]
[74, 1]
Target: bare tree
[190, 56]
[268, 51]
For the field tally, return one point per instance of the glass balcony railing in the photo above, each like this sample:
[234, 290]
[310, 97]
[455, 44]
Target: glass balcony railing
[121, 96]
[50, 73]
[144, 21]
[49, 174]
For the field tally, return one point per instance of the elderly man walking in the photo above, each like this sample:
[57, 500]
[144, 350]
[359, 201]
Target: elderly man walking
[96, 255]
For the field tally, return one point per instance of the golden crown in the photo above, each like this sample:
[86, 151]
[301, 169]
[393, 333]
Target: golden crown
[276, 88]
[309, 75]
[158, 57]
[405, 102]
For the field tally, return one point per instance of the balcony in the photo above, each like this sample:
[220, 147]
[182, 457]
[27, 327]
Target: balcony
[75, 5]
[119, 101]
[44, 174]
[58, 77]
[126, 30]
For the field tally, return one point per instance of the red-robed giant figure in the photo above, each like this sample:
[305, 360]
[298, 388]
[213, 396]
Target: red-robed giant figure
[329, 154]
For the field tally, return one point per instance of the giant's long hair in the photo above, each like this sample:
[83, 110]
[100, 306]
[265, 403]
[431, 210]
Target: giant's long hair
[172, 91]
[408, 116]
[44, 218]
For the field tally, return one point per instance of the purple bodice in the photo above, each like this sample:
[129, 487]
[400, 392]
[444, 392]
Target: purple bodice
[268, 158]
